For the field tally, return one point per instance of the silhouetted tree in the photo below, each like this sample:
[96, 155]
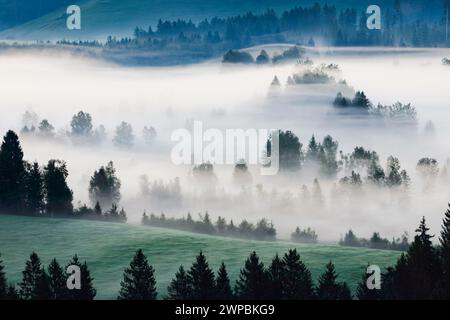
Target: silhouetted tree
[87, 291]
[31, 276]
[12, 174]
[223, 288]
[180, 287]
[57, 281]
[297, 281]
[104, 186]
[276, 274]
[328, 288]
[58, 194]
[138, 280]
[3, 284]
[253, 280]
[201, 278]
[34, 186]
[444, 252]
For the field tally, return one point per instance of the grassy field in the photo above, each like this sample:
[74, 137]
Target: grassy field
[108, 248]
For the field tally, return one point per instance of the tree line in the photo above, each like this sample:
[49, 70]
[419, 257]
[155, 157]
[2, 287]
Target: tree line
[29, 189]
[376, 241]
[422, 272]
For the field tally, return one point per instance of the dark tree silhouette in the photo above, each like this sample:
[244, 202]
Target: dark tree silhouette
[223, 288]
[201, 278]
[57, 281]
[444, 252]
[104, 186]
[297, 280]
[180, 287]
[12, 174]
[3, 282]
[34, 186]
[329, 289]
[253, 280]
[276, 273]
[31, 277]
[138, 280]
[58, 194]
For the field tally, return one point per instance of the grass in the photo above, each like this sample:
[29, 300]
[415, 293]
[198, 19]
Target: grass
[108, 249]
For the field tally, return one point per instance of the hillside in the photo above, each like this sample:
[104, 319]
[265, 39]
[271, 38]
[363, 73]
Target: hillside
[108, 248]
[116, 17]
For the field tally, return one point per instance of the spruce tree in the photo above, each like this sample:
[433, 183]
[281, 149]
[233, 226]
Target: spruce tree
[297, 280]
[43, 291]
[444, 252]
[223, 288]
[138, 280]
[179, 288]
[34, 186]
[328, 288]
[12, 175]
[57, 281]
[253, 280]
[58, 194]
[87, 290]
[32, 275]
[3, 284]
[202, 279]
[275, 276]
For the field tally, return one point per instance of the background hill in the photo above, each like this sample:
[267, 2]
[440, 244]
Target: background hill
[108, 249]
[46, 19]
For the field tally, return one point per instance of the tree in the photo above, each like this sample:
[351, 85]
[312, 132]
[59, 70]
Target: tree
[444, 252]
[98, 209]
[290, 153]
[364, 293]
[57, 281]
[104, 186]
[180, 286]
[263, 57]
[46, 129]
[201, 278]
[124, 137]
[253, 280]
[328, 288]
[58, 196]
[81, 125]
[149, 135]
[32, 275]
[313, 149]
[223, 288]
[3, 284]
[34, 188]
[12, 174]
[87, 291]
[297, 280]
[138, 280]
[276, 273]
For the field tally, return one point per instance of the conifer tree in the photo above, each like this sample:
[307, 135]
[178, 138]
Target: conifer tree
[12, 174]
[32, 275]
[138, 280]
[275, 276]
[3, 284]
[34, 186]
[297, 280]
[202, 279]
[328, 288]
[43, 291]
[58, 194]
[87, 290]
[223, 288]
[180, 287]
[444, 251]
[253, 280]
[57, 281]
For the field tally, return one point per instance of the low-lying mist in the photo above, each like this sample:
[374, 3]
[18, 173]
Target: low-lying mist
[55, 87]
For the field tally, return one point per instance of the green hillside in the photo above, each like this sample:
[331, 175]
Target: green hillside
[117, 17]
[108, 249]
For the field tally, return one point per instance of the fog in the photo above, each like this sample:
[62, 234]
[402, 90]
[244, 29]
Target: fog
[57, 86]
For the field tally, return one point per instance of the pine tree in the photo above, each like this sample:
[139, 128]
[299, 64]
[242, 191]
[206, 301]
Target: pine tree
[444, 251]
[180, 288]
[297, 280]
[328, 288]
[12, 175]
[34, 186]
[253, 280]
[223, 288]
[58, 194]
[202, 279]
[57, 281]
[3, 284]
[31, 277]
[98, 209]
[43, 291]
[275, 276]
[138, 280]
[87, 290]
